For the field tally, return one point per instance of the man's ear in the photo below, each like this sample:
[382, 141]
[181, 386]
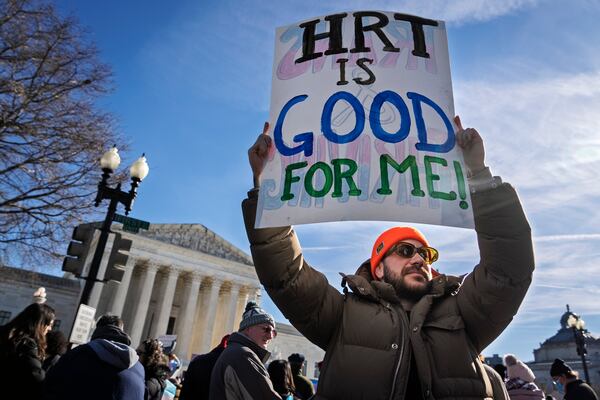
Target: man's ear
[379, 272]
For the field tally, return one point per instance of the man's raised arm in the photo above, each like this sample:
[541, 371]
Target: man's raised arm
[302, 294]
[491, 295]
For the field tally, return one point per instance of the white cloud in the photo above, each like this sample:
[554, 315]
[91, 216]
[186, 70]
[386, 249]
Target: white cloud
[461, 11]
[562, 238]
[543, 137]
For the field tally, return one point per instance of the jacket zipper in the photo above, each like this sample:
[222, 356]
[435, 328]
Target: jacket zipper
[399, 358]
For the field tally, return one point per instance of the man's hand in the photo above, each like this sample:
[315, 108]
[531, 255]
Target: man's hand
[259, 153]
[472, 145]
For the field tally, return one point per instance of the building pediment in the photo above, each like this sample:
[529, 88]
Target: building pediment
[196, 237]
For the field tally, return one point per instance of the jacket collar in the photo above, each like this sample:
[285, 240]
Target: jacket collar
[240, 338]
[363, 285]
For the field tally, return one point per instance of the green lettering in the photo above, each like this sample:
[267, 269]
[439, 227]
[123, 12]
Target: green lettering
[308, 180]
[460, 178]
[409, 162]
[431, 177]
[347, 175]
[289, 179]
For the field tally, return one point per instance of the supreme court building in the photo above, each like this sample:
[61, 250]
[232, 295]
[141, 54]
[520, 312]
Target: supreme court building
[180, 279]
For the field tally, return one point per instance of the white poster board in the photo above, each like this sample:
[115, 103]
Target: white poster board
[361, 117]
[84, 322]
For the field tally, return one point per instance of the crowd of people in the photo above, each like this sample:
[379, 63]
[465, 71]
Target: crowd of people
[36, 364]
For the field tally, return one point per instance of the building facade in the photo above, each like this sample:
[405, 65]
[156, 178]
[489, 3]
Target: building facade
[562, 345]
[16, 292]
[180, 279]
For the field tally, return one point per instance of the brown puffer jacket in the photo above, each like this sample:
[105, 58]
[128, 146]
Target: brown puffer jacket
[368, 337]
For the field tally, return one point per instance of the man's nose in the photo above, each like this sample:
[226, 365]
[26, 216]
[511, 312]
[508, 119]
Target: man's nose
[417, 259]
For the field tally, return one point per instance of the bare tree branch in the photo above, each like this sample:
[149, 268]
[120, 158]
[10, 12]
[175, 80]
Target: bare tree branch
[51, 130]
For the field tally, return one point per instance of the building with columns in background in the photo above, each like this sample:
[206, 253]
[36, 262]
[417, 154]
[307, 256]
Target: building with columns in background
[180, 279]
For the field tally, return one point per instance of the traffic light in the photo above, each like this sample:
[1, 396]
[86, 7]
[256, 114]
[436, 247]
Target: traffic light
[78, 249]
[117, 259]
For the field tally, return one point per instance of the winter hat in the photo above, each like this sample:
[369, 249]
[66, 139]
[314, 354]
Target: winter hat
[559, 367]
[517, 369]
[296, 358]
[389, 238]
[254, 315]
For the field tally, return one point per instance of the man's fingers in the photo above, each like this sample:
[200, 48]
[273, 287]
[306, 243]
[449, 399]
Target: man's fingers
[458, 123]
[474, 134]
[469, 135]
[267, 140]
[263, 143]
[461, 138]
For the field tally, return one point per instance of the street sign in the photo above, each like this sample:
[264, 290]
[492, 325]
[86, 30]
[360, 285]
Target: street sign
[132, 225]
[83, 324]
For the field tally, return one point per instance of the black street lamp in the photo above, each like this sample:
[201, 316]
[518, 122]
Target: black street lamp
[577, 324]
[109, 163]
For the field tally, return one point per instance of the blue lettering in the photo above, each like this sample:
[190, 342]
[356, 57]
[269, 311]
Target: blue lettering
[445, 147]
[375, 120]
[305, 139]
[326, 118]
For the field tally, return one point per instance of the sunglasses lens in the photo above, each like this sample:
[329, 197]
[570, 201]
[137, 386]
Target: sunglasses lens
[406, 250]
[430, 255]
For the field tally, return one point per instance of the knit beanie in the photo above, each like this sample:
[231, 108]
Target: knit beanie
[254, 315]
[517, 369]
[559, 367]
[389, 238]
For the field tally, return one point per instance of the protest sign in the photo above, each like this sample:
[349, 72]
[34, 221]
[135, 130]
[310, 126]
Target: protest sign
[82, 327]
[361, 111]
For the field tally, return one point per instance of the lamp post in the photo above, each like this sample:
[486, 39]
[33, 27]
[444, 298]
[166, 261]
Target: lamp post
[577, 324]
[109, 163]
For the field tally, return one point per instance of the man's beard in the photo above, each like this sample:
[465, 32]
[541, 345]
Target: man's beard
[402, 289]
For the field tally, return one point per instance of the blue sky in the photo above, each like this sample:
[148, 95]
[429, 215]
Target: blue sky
[192, 87]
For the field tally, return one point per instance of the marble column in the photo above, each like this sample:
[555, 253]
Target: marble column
[118, 300]
[241, 307]
[165, 303]
[185, 319]
[232, 309]
[141, 310]
[211, 312]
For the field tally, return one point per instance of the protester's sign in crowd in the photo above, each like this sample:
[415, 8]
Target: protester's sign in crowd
[361, 111]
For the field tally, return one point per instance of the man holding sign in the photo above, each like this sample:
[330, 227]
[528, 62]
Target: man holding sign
[403, 331]
[361, 104]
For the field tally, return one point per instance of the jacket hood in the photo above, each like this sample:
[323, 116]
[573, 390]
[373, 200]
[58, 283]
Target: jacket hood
[112, 333]
[363, 285]
[240, 338]
[119, 355]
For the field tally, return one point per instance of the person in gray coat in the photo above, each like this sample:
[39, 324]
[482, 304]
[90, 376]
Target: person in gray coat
[240, 373]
